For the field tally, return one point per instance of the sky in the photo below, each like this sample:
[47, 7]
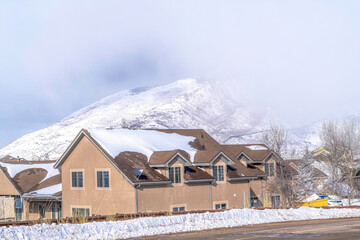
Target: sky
[300, 59]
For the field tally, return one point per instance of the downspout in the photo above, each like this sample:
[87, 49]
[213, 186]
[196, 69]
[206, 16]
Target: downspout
[136, 198]
[249, 193]
[211, 205]
[262, 194]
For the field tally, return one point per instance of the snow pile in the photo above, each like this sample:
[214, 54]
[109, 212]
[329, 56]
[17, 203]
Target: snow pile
[172, 224]
[14, 169]
[115, 141]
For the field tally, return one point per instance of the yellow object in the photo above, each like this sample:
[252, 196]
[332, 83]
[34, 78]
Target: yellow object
[317, 203]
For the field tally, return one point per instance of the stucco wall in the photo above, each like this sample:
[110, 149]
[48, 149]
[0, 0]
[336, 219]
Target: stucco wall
[163, 198]
[118, 198]
[6, 188]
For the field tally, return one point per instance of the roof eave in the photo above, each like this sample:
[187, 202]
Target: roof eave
[242, 178]
[152, 183]
[40, 197]
[199, 180]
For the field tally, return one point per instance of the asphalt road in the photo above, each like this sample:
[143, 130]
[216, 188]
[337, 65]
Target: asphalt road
[342, 228]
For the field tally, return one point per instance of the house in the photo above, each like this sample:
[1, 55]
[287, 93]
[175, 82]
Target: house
[261, 157]
[108, 171]
[30, 190]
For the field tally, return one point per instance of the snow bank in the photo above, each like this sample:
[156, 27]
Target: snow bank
[172, 224]
[115, 141]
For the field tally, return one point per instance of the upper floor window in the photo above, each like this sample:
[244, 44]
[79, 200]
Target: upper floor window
[77, 179]
[269, 169]
[218, 173]
[175, 174]
[102, 179]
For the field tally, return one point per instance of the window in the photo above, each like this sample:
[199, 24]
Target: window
[178, 209]
[269, 169]
[254, 202]
[102, 179]
[175, 174]
[80, 212]
[218, 173]
[220, 206]
[42, 210]
[77, 179]
[53, 210]
[275, 201]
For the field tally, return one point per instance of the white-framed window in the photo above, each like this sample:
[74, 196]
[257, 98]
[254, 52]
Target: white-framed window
[80, 212]
[269, 169]
[178, 209]
[275, 201]
[218, 173]
[220, 206]
[175, 174]
[102, 178]
[77, 179]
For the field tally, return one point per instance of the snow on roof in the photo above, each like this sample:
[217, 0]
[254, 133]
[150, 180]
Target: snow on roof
[48, 190]
[15, 168]
[257, 147]
[115, 141]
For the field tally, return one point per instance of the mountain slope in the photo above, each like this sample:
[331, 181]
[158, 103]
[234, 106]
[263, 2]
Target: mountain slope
[185, 103]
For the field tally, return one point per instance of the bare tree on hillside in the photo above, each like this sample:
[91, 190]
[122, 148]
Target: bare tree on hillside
[275, 138]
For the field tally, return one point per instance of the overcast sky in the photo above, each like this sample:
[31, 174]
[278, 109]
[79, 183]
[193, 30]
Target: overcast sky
[301, 58]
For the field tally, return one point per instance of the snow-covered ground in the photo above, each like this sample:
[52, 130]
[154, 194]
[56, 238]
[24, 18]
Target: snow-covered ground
[171, 224]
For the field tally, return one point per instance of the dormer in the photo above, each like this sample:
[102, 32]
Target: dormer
[218, 167]
[171, 164]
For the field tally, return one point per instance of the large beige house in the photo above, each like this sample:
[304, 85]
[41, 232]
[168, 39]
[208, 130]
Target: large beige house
[108, 171]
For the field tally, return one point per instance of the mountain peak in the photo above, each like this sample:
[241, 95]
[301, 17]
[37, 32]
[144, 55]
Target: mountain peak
[188, 103]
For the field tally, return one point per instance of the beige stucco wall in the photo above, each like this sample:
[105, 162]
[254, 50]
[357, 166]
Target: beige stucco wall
[193, 196]
[163, 198]
[119, 198]
[257, 190]
[6, 188]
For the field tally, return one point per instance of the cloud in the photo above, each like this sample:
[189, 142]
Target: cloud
[298, 58]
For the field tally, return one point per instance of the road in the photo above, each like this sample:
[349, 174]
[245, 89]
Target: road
[342, 228]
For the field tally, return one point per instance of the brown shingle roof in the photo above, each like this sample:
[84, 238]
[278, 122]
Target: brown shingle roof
[127, 162]
[203, 141]
[298, 162]
[238, 170]
[162, 157]
[30, 179]
[195, 173]
[255, 155]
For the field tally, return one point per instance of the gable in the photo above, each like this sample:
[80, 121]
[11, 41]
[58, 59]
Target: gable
[178, 159]
[221, 157]
[87, 157]
[6, 187]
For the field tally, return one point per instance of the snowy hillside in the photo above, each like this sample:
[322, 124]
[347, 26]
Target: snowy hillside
[185, 103]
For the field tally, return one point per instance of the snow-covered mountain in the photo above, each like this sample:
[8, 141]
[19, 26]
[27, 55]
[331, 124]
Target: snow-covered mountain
[188, 103]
